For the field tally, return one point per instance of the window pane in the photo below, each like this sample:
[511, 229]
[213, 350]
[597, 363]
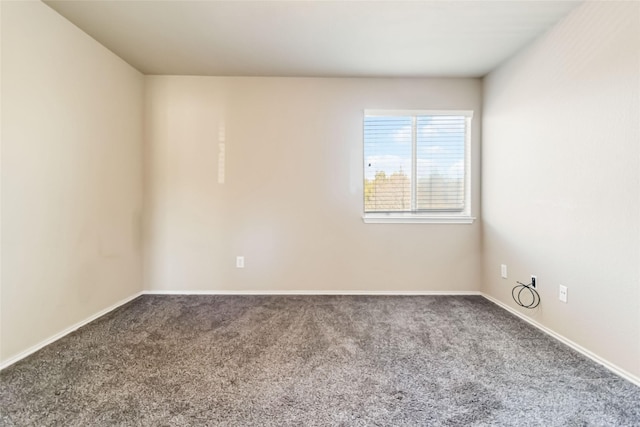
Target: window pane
[387, 167]
[440, 163]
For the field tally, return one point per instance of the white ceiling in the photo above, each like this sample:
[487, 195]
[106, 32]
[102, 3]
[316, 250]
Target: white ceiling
[315, 38]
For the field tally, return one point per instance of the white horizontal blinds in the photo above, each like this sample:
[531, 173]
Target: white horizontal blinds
[416, 161]
[440, 163]
[387, 163]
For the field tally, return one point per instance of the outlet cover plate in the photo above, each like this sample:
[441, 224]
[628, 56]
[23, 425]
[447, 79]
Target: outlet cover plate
[563, 293]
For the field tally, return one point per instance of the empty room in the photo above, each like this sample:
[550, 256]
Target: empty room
[320, 213]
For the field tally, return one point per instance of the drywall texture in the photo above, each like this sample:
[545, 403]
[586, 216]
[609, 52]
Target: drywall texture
[561, 178]
[291, 202]
[71, 176]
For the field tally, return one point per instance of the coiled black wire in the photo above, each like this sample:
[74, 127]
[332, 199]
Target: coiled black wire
[516, 293]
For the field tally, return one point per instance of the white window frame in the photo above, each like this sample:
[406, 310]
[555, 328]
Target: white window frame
[463, 217]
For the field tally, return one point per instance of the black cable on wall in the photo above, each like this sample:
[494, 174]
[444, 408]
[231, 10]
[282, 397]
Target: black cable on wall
[521, 290]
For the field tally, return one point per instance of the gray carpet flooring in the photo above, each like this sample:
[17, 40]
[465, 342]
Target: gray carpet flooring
[312, 361]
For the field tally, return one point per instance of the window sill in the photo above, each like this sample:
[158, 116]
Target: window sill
[416, 219]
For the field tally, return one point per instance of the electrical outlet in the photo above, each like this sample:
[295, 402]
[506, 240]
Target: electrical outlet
[503, 270]
[239, 262]
[534, 281]
[562, 293]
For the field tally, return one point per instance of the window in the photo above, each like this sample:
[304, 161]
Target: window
[416, 166]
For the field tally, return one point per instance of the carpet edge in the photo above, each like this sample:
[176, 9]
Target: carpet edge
[55, 337]
[566, 341]
[306, 292]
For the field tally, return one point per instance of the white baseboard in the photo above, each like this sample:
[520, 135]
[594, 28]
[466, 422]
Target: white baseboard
[577, 347]
[307, 292]
[67, 331]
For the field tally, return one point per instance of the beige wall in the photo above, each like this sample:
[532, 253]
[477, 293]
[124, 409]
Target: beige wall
[71, 176]
[561, 178]
[292, 198]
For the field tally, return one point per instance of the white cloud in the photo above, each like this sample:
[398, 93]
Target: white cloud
[457, 169]
[402, 135]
